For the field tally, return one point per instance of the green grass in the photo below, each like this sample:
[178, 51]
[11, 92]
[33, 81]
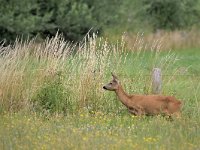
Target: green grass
[97, 131]
[190, 58]
[55, 100]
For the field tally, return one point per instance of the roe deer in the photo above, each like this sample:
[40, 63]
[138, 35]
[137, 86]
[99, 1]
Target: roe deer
[145, 104]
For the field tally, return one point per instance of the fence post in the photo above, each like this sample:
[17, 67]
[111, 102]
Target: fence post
[156, 81]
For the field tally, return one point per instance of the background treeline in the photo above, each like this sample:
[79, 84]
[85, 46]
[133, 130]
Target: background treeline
[74, 18]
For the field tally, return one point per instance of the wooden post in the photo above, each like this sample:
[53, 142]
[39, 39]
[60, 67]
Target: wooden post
[156, 81]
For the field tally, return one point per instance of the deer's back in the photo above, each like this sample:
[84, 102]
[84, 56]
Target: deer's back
[154, 104]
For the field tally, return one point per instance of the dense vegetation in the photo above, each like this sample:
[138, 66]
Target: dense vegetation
[172, 14]
[75, 18]
[51, 94]
[53, 98]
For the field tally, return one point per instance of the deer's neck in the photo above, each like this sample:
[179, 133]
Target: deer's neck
[123, 96]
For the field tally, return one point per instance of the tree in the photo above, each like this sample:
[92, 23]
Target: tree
[25, 18]
[171, 14]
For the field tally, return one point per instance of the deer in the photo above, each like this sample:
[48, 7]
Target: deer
[148, 105]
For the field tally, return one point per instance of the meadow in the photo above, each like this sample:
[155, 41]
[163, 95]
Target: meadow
[51, 95]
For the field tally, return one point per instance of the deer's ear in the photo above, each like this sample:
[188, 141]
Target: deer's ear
[114, 77]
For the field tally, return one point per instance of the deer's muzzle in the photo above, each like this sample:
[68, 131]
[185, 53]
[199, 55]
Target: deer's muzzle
[104, 87]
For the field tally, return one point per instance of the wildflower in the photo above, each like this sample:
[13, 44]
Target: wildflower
[85, 139]
[149, 139]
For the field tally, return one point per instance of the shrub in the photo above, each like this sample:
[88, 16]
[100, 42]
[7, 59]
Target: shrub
[52, 96]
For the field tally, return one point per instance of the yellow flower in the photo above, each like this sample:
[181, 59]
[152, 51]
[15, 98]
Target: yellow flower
[85, 139]
[149, 139]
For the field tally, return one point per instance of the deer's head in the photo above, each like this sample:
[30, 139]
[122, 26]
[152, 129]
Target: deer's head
[113, 84]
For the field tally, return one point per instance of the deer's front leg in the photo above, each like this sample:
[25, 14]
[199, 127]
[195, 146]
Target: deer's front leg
[137, 111]
[133, 111]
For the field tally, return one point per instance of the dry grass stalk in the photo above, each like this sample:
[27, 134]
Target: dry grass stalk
[164, 40]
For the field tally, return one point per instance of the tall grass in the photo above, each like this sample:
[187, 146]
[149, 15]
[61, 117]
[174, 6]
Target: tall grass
[167, 40]
[58, 77]
[43, 81]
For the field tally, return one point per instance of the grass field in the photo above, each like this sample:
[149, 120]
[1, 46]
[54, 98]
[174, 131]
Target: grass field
[53, 99]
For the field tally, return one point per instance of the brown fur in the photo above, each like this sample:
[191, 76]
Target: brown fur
[145, 104]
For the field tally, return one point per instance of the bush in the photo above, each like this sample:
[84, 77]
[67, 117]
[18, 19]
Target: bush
[52, 96]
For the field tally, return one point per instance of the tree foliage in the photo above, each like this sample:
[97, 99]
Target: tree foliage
[73, 18]
[171, 14]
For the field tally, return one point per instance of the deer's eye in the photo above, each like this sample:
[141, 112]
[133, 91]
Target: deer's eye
[110, 82]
